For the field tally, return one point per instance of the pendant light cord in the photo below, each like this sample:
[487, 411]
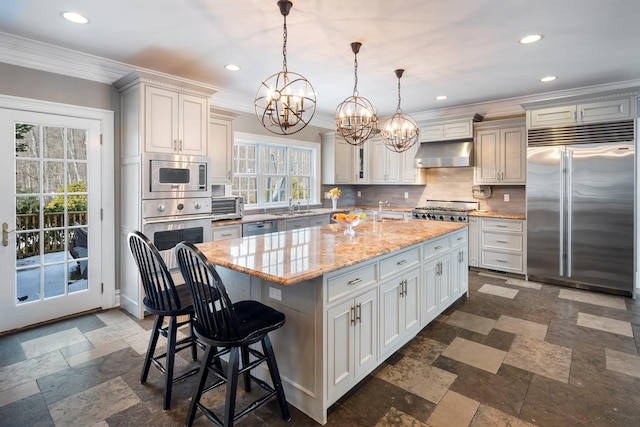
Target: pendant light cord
[284, 45]
[399, 110]
[355, 85]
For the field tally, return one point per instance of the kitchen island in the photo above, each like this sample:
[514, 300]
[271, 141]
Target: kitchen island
[350, 301]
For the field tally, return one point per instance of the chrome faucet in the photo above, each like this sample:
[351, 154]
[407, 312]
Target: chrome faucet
[290, 205]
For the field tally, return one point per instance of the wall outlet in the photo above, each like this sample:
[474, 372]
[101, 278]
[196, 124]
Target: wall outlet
[359, 193]
[406, 194]
[506, 197]
[275, 294]
[326, 195]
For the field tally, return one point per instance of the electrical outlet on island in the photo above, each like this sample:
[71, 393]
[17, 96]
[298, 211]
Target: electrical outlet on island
[506, 197]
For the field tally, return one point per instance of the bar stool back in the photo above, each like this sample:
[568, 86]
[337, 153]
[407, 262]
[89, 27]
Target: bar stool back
[229, 328]
[163, 299]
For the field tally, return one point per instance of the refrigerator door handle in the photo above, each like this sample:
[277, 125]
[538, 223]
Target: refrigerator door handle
[569, 174]
[562, 207]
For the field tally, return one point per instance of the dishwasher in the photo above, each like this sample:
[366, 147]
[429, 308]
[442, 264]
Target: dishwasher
[261, 227]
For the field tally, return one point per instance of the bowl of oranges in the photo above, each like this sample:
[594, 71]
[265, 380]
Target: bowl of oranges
[349, 220]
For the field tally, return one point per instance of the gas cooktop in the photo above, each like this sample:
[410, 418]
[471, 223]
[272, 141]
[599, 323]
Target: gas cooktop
[444, 210]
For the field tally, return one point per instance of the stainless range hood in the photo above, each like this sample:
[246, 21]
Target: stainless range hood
[445, 154]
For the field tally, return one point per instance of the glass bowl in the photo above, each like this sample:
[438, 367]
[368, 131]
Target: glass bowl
[349, 221]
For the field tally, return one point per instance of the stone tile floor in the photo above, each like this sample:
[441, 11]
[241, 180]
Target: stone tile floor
[514, 353]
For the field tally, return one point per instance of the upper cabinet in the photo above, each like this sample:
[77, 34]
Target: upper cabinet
[175, 122]
[608, 108]
[221, 148]
[385, 164]
[448, 129]
[163, 114]
[500, 152]
[338, 160]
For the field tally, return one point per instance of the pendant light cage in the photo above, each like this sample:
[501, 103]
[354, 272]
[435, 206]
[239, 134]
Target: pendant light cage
[356, 118]
[399, 132]
[285, 102]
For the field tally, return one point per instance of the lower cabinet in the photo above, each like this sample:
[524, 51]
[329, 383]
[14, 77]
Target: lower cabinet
[372, 309]
[352, 341]
[503, 244]
[399, 311]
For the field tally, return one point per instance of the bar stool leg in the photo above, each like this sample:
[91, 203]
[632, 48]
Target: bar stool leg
[232, 385]
[151, 348]
[202, 379]
[275, 377]
[171, 354]
[247, 374]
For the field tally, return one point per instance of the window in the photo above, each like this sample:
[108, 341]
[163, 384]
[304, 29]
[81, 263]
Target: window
[268, 174]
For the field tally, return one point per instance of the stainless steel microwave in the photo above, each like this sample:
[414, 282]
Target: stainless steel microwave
[175, 176]
[227, 207]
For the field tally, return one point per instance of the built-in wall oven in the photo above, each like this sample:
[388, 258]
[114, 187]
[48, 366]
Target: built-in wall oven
[176, 203]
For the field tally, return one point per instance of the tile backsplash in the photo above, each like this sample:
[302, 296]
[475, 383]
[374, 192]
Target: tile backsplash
[442, 184]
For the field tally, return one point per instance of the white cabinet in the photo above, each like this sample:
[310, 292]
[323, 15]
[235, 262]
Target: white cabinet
[399, 310]
[474, 241]
[586, 111]
[221, 148]
[223, 232]
[304, 222]
[436, 278]
[175, 122]
[338, 159]
[459, 264]
[352, 337]
[384, 163]
[501, 152]
[503, 244]
[446, 129]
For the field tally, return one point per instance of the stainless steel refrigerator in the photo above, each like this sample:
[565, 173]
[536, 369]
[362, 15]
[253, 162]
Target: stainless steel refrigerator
[580, 212]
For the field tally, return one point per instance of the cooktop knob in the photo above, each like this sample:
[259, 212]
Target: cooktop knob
[441, 218]
[198, 205]
[180, 206]
[161, 208]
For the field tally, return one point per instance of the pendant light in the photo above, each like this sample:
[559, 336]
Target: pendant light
[356, 118]
[285, 102]
[400, 131]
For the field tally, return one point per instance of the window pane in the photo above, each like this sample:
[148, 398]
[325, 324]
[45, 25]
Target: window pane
[77, 144]
[27, 141]
[52, 176]
[27, 176]
[53, 142]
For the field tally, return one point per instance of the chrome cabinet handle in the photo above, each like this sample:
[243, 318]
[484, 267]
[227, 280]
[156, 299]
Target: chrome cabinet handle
[354, 281]
[401, 262]
[501, 241]
[352, 311]
[359, 313]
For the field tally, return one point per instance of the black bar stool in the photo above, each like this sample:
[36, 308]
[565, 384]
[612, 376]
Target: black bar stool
[163, 299]
[231, 328]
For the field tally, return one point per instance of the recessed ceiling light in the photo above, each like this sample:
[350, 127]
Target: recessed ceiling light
[548, 79]
[232, 67]
[532, 38]
[74, 17]
[441, 97]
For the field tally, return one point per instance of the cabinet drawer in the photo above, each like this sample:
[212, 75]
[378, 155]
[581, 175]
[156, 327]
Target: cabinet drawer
[502, 261]
[398, 263]
[458, 238]
[502, 225]
[319, 220]
[343, 284]
[436, 247]
[495, 240]
[222, 233]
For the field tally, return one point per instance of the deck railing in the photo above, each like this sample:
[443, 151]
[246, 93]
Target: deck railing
[53, 234]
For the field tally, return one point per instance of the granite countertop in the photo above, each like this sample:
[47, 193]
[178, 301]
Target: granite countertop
[492, 214]
[289, 257]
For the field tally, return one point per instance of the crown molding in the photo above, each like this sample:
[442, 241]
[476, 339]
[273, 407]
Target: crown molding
[54, 59]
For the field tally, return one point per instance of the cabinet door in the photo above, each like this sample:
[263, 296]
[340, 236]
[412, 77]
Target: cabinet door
[444, 284]
[460, 271]
[366, 332]
[317, 220]
[411, 301]
[340, 360]
[544, 117]
[193, 125]
[294, 224]
[226, 232]
[221, 149]
[513, 156]
[429, 297]
[458, 130]
[378, 162]
[160, 120]
[487, 170]
[344, 162]
[432, 132]
[474, 242]
[614, 109]
[390, 316]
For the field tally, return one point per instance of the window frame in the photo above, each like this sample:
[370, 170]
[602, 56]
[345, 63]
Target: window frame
[262, 141]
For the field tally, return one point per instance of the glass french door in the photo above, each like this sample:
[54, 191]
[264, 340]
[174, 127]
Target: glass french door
[50, 215]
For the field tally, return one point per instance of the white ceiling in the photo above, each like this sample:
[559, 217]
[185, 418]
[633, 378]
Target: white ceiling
[466, 49]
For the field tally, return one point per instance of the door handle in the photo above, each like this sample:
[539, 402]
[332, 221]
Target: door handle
[5, 234]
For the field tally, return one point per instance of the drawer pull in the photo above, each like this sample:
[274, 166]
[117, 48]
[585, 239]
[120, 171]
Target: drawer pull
[354, 281]
[502, 260]
[401, 262]
[502, 241]
[226, 234]
[438, 248]
[501, 226]
[460, 238]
